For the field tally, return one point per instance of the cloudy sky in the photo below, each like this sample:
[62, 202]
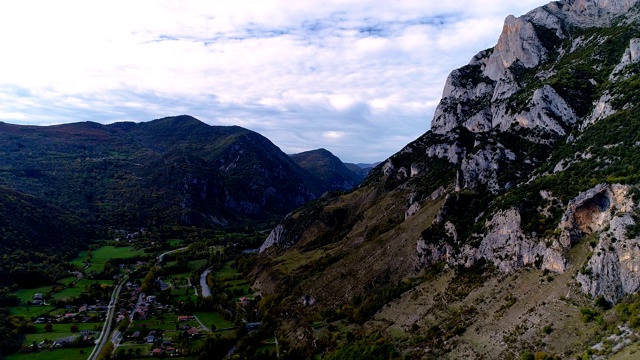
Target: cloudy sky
[360, 78]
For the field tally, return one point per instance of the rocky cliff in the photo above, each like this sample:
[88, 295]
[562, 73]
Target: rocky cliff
[532, 153]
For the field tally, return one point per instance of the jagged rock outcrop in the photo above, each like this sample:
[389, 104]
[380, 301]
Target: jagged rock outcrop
[275, 237]
[608, 212]
[604, 209]
[518, 42]
[481, 168]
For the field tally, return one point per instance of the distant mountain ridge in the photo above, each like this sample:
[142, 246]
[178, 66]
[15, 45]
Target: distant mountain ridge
[329, 169]
[175, 170]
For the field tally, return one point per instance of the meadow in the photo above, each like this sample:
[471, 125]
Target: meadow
[101, 255]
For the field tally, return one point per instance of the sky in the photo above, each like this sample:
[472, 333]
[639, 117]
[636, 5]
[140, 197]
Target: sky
[360, 78]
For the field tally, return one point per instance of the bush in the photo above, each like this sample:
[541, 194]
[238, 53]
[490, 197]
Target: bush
[588, 315]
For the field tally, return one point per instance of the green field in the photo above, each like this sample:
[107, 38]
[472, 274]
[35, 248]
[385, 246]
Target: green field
[31, 311]
[59, 331]
[101, 255]
[213, 317]
[67, 354]
[230, 278]
[227, 272]
[196, 264]
[78, 288]
[27, 294]
[68, 280]
[68, 292]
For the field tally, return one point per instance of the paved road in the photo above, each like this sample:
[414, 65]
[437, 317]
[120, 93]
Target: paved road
[106, 329]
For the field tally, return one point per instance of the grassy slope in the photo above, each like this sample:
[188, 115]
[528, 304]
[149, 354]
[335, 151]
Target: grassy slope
[512, 311]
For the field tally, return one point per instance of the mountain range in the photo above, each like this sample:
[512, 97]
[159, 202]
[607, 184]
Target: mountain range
[510, 229]
[175, 170]
[505, 229]
[61, 186]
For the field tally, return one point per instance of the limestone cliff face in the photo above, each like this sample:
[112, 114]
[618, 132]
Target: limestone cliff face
[274, 238]
[613, 269]
[531, 151]
[605, 210]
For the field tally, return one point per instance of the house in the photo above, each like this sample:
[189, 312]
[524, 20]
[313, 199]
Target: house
[65, 341]
[156, 352]
[186, 318]
[150, 339]
[38, 296]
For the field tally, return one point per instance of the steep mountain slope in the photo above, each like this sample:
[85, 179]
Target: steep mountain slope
[329, 169]
[34, 237]
[175, 170]
[531, 163]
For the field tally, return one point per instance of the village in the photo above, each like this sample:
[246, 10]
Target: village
[133, 302]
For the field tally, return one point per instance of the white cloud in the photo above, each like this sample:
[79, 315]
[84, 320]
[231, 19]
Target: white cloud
[301, 73]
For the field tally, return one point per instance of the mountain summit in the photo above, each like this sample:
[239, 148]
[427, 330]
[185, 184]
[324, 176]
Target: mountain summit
[170, 171]
[530, 167]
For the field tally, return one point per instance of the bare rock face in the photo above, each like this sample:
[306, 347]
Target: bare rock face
[594, 12]
[491, 71]
[546, 110]
[412, 210]
[631, 56]
[602, 110]
[506, 245]
[275, 238]
[465, 99]
[614, 268]
[451, 152]
[606, 210]
[481, 168]
[518, 42]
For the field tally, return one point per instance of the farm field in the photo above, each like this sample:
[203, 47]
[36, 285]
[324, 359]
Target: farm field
[59, 331]
[230, 278]
[102, 254]
[67, 354]
[196, 264]
[213, 317]
[31, 311]
[27, 294]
